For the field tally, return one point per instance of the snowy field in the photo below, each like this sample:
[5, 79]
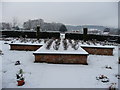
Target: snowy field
[43, 75]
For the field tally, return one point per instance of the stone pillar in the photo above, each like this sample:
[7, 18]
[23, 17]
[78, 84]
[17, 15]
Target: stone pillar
[38, 32]
[85, 30]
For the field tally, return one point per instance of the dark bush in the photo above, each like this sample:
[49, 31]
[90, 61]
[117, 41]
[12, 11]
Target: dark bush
[65, 44]
[49, 43]
[57, 44]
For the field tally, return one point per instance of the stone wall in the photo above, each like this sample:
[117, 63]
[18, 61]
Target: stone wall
[61, 59]
[24, 47]
[99, 51]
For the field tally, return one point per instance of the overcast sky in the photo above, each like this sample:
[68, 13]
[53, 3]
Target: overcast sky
[73, 13]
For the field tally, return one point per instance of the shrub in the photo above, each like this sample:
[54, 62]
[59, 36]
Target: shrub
[75, 45]
[65, 44]
[57, 44]
[49, 43]
[63, 28]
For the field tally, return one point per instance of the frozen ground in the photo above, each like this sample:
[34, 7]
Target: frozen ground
[42, 75]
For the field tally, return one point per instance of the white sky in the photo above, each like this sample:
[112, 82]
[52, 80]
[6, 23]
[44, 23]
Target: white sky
[74, 13]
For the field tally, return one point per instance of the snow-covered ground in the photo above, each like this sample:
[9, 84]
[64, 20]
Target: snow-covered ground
[43, 75]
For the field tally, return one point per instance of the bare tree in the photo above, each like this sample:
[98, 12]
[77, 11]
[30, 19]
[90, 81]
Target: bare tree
[15, 22]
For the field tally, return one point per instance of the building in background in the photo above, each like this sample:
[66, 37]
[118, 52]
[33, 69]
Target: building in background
[31, 24]
[94, 31]
[106, 31]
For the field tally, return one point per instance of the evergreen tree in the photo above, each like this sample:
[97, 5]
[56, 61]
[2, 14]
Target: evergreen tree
[63, 28]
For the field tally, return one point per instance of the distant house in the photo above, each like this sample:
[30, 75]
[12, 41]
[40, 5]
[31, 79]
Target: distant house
[94, 31]
[106, 31]
[31, 24]
[76, 31]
